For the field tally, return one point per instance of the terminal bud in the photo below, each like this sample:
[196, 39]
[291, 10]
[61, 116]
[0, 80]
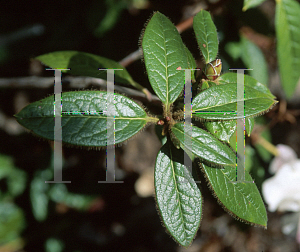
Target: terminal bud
[213, 69]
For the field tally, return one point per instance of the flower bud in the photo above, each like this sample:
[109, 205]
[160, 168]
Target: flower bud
[213, 69]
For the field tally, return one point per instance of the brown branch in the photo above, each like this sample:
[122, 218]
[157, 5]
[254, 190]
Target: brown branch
[74, 82]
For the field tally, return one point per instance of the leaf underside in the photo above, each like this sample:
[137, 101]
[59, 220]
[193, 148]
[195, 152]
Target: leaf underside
[85, 64]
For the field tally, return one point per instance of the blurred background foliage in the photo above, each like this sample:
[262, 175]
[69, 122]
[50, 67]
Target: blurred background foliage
[85, 215]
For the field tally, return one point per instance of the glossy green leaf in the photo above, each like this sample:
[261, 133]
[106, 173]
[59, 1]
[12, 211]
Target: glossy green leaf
[164, 53]
[85, 64]
[249, 124]
[248, 4]
[205, 146]
[178, 198]
[252, 57]
[206, 35]
[191, 63]
[84, 119]
[248, 80]
[242, 200]
[287, 20]
[220, 102]
[223, 130]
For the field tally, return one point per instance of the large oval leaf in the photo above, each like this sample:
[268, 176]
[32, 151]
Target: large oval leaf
[287, 20]
[206, 35]
[84, 118]
[220, 102]
[242, 200]
[205, 146]
[178, 198]
[85, 64]
[164, 52]
[248, 81]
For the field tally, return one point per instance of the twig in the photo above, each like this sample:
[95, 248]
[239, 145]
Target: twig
[74, 82]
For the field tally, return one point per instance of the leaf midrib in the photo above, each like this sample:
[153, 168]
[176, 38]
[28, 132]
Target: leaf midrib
[178, 198]
[198, 141]
[236, 188]
[229, 103]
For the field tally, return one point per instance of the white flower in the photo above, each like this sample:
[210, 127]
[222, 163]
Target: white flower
[282, 191]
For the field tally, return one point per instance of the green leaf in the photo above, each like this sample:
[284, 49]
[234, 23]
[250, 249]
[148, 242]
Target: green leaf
[112, 15]
[191, 63]
[205, 146]
[12, 222]
[220, 102]
[249, 124]
[222, 130]
[248, 80]
[206, 35]
[287, 20]
[84, 121]
[39, 193]
[178, 198]
[54, 245]
[164, 52]
[251, 4]
[252, 57]
[15, 179]
[85, 64]
[242, 200]
[59, 193]
[264, 154]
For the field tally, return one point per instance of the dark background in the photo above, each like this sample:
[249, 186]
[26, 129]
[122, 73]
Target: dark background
[118, 219]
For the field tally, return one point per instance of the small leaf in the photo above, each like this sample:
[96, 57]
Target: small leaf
[84, 120]
[222, 130]
[39, 194]
[249, 124]
[191, 63]
[178, 198]
[287, 20]
[242, 200]
[220, 102]
[205, 146]
[206, 35]
[164, 53]
[251, 4]
[85, 64]
[59, 193]
[13, 179]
